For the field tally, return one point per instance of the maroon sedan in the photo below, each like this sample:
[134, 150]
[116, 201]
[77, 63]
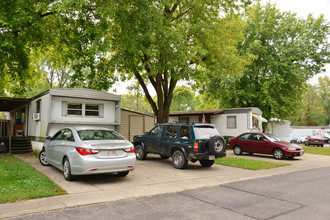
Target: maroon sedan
[264, 144]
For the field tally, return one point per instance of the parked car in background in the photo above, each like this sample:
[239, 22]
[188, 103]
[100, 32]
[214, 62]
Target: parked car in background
[302, 140]
[326, 140]
[182, 142]
[262, 143]
[314, 140]
[294, 140]
[86, 150]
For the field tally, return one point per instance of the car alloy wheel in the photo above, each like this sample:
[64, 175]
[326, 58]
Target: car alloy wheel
[237, 150]
[278, 154]
[43, 158]
[178, 160]
[67, 170]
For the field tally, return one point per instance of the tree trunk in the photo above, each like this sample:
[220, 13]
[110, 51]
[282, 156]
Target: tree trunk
[164, 93]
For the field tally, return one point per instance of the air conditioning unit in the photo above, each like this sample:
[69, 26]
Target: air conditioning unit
[36, 116]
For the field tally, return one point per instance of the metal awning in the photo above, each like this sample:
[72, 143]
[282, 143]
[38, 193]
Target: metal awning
[9, 104]
[260, 118]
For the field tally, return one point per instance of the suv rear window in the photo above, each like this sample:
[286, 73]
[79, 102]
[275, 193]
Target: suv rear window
[205, 132]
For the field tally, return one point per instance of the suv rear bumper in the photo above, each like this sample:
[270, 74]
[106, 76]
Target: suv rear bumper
[203, 156]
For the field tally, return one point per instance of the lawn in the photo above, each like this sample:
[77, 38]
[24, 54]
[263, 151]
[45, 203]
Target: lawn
[248, 163]
[317, 150]
[21, 181]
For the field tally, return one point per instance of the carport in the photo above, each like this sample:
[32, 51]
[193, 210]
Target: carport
[8, 128]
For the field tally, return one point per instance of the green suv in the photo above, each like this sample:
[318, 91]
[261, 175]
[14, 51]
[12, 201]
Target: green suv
[182, 142]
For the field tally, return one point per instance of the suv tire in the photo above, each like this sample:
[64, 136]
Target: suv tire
[178, 160]
[206, 163]
[140, 153]
[217, 145]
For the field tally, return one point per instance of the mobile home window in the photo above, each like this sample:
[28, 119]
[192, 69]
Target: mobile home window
[231, 121]
[74, 109]
[38, 106]
[92, 110]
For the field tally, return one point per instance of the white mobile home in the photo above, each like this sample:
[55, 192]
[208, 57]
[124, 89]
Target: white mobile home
[31, 120]
[58, 108]
[304, 131]
[230, 122]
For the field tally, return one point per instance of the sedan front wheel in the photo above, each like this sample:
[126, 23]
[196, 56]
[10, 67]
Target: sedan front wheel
[278, 154]
[43, 157]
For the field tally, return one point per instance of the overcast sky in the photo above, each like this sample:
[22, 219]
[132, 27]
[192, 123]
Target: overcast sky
[301, 7]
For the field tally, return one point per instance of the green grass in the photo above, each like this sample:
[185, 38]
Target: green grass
[317, 150]
[21, 181]
[248, 163]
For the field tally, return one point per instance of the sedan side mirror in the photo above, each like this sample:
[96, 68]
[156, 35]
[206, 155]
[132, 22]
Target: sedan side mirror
[147, 133]
[48, 137]
[266, 141]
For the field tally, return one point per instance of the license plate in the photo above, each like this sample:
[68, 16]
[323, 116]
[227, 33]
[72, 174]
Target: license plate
[112, 153]
[316, 141]
[211, 157]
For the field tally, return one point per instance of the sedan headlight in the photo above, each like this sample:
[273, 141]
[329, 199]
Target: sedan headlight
[292, 148]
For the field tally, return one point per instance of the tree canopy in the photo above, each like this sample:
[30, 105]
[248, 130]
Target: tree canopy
[157, 42]
[288, 51]
[162, 42]
[315, 107]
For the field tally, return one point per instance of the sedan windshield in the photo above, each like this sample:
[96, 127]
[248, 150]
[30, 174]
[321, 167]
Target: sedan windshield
[99, 135]
[273, 138]
[205, 132]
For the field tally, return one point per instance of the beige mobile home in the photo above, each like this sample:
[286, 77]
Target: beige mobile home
[230, 122]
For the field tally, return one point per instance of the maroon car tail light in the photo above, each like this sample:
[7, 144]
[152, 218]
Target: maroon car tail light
[86, 151]
[130, 150]
[195, 146]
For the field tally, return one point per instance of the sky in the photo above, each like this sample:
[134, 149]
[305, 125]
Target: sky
[301, 7]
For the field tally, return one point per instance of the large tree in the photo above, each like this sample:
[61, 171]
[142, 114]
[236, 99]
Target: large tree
[157, 42]
[162, 42]
[288, 50]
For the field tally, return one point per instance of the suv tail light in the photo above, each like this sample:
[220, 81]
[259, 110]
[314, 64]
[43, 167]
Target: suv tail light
[86, 151]
[195, 146]
[130, 150]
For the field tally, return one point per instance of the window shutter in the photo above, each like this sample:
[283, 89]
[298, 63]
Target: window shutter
[101, 110]
[64, 108]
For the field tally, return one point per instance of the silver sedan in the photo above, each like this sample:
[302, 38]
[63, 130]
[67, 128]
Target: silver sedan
[84, 151]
